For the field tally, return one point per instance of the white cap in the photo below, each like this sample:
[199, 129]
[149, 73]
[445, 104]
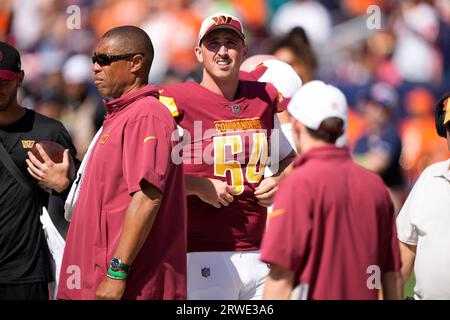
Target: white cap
[317, 101]
[77, 69]
[220, 21]
[252, 62]
[281, 75]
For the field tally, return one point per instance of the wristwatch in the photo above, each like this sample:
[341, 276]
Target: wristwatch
[117, 265]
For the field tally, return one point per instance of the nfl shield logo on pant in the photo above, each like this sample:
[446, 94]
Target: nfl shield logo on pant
[206, 272]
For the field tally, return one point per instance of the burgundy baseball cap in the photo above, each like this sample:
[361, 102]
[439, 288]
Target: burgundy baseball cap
[9, 61]
[220, 21]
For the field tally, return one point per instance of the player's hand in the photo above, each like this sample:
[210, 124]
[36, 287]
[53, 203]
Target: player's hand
[266, 190]
[110, 289]
[48, 173]
[216, 192]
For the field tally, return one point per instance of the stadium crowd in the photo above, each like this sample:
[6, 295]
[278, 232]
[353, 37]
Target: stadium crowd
[404, 51]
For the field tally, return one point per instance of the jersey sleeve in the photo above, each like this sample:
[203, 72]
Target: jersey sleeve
[289, 228]
[146, 152]
[169, 98]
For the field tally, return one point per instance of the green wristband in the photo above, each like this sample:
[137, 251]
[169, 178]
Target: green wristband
[116, 275]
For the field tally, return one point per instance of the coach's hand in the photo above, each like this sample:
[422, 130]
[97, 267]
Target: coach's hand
[266, 190]
[110, 289]
[216, 192]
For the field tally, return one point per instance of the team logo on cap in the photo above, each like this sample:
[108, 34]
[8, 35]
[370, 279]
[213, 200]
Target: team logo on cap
[206, 272]
[222, 20]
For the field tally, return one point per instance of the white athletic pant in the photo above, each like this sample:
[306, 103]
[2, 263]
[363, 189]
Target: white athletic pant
[227, 275]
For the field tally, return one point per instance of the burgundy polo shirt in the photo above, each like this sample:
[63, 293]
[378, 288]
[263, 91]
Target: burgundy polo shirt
[135, 145]
[332, 225]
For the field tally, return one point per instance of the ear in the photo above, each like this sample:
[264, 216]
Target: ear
[198, 54]
[245, 52]
[137, 63]
[20, 77]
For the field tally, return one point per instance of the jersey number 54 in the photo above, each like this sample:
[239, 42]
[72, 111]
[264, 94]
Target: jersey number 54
[254, 170]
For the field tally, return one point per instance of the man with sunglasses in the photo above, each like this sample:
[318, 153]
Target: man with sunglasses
[227, 123]
[127, 237]
[424, 222]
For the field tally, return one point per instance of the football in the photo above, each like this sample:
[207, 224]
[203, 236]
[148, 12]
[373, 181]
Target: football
[54, 150]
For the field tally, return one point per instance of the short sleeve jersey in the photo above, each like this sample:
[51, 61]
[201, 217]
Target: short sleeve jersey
[228, 141]
[333, 226]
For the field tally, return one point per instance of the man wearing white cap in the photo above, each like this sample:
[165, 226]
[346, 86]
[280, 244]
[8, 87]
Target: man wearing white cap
[332, 232]
[227, 123]
[424, 222]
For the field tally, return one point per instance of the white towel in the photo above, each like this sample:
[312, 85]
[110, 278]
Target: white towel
[56, 245]
[75, 190]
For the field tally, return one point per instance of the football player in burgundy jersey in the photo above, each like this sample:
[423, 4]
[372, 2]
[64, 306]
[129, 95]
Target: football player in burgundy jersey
[227, 124]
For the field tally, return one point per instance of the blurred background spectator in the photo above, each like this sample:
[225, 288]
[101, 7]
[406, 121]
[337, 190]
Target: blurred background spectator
[294, 48]
[83, 112]
[408, 51]
[379, 147]
[420, 148]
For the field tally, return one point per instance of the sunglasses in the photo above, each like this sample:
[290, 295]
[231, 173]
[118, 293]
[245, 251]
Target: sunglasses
[106, 59]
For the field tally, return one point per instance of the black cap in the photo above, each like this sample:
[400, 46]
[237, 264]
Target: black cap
[9, 61]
